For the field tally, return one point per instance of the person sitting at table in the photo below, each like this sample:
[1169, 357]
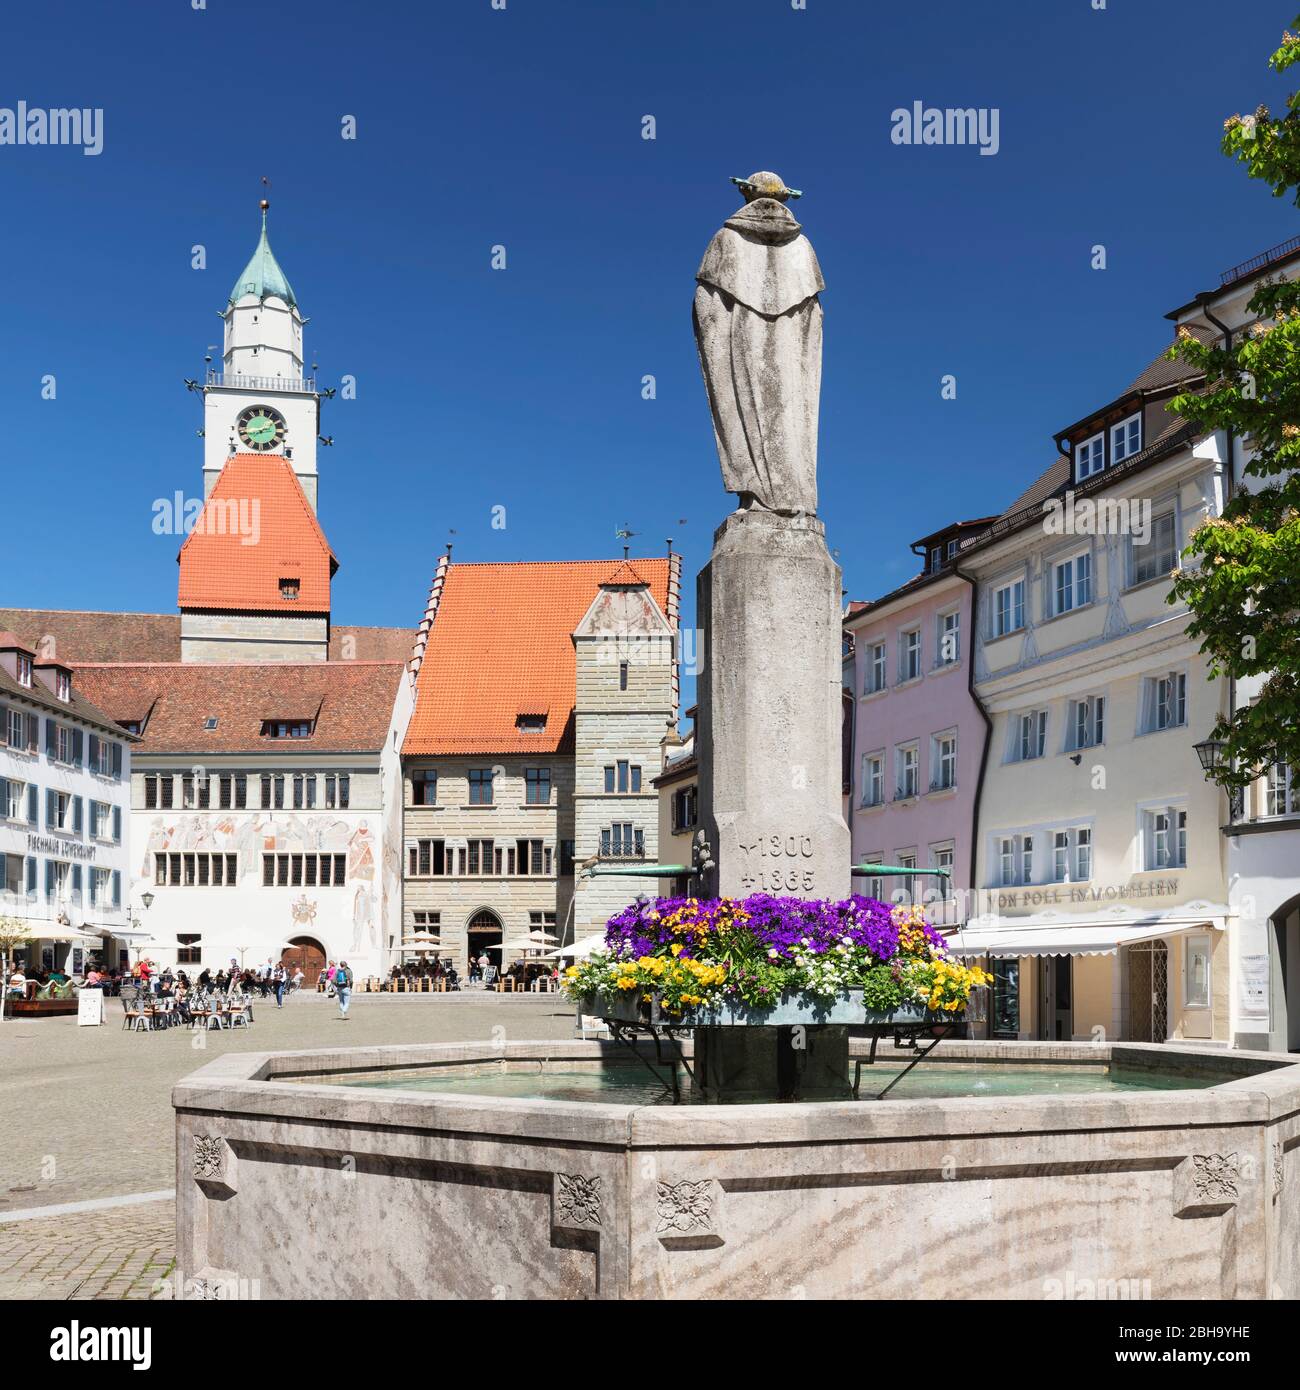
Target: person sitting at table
[95, 978]
[205, 978]
[18, 983]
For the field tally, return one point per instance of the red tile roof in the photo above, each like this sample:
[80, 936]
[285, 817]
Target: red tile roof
[351, 702]
[235, 559]
[499, 644]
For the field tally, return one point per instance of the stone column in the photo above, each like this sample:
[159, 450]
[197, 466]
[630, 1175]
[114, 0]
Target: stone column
[769, 724]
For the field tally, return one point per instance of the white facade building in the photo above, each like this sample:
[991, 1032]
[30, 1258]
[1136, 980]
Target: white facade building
[65, 772]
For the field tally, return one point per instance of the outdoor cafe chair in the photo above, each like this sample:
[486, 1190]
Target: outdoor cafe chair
[133, 1017]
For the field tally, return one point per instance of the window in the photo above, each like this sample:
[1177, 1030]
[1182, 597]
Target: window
[286, 728]
[1165, 839]
[1015, 860]
[24, 669]
[909, 658]
[60, 811]
[530, 723]
[541, 919]
[873, 779]
[529, 858]
[424, 787]
[189, 952]
[686, 808]
[1083, 854]
[298, 870]
[1126, 439]
[104, 757]
[272, 792]
[481, 857]
[1280, 798]
[338, 791]
[622, 840]
[63, 685]
[13, 807]
[232, 791]
[1030, 736]
[622, 675]
[1154, 558]
[1088, 458]
[1072, 583]
[622, 778]
[480, 786]
[908, 765]
[906, 890]
[196, 870]
[948, 650]
[428, 858]
[1196, 972]
[195, 792]
[304, 792]
[943, 763]
[1087, 724]
[13, 874]
[1009, 608]
[1165, 702]
[15, 729]
[875, 668]
[936, 558]
[537, 786]
[875, 886]
[421, 917]
[289, 589]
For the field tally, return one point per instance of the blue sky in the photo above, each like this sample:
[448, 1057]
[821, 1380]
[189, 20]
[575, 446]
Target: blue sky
[522, 387]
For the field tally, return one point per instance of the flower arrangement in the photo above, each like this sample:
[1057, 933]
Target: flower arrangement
[704, 952]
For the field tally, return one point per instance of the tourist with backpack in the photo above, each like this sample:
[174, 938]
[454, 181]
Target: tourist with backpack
[343, 987]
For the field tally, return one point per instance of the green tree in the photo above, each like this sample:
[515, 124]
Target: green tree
[1241, 572]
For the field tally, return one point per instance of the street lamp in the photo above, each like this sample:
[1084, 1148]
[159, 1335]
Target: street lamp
[1210, 753]
[147, 899]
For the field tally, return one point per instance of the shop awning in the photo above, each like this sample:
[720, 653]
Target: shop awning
[1007, 942]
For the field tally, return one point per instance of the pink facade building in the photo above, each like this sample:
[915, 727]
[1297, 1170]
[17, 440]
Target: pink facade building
[918, 733]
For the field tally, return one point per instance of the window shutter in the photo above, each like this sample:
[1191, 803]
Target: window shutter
[78, 744]
[94, 752]
[76, 880]
[33, 805]
[76, 815]
[117, 888]
[51, 809]
[31, 877]
[117, 761]
[4, 798]
[117, 825]
[49, 878]
[51, 738]
[33, 733]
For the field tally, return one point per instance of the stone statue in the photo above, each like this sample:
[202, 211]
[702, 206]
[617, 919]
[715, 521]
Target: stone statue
[758, 328]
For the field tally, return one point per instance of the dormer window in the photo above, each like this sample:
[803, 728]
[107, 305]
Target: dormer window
[289, 589]
[936, 557]
[530, 723]
[63, 685]
[286, 728]
[1126, 438]
[24, 669]
[1089, 458]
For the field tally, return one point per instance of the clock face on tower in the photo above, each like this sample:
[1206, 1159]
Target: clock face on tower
[260, 427]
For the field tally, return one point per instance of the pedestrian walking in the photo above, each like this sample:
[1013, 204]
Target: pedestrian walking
[343, 987]
[280, 978]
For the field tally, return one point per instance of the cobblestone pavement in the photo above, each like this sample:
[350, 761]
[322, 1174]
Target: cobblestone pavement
[87, 1115]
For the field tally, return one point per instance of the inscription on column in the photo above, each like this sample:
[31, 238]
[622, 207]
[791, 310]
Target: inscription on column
[778, 863]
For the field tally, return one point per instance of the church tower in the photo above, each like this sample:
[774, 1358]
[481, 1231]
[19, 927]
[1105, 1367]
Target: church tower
[261, 401]
[256, 568]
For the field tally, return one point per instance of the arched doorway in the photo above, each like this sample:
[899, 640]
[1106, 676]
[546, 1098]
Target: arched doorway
[484, 936]
[304, 953]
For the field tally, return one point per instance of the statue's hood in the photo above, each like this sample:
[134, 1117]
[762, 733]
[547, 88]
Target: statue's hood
[765, 220]
[761, 260]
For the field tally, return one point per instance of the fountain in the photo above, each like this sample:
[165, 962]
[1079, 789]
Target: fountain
[564, 1170]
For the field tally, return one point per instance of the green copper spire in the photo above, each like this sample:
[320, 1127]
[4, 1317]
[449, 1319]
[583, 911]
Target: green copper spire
[262, 276]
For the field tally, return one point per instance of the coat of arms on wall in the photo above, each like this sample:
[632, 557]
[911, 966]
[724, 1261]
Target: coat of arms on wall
[303, 910]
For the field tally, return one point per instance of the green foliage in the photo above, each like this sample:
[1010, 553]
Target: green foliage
[1241, 573]
[881, 990]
